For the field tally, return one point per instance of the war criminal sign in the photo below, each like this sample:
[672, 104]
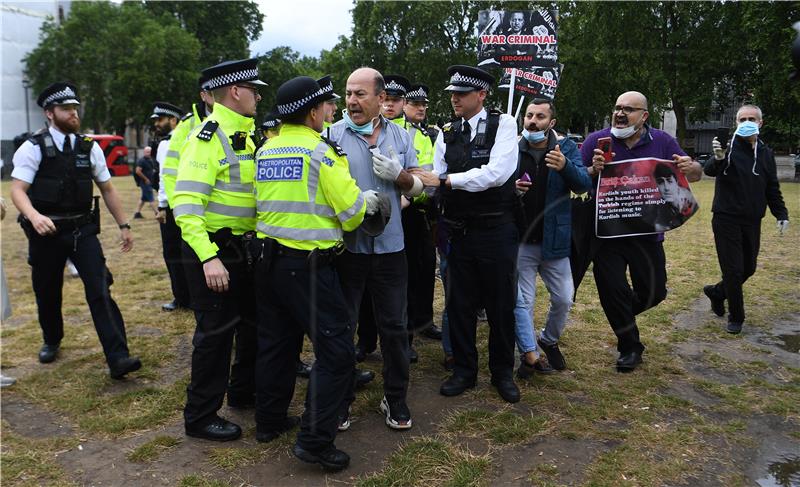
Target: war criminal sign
[536, 82]
[641, 196]
[517, 38]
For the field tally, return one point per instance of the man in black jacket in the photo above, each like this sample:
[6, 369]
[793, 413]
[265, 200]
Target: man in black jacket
[747, 182]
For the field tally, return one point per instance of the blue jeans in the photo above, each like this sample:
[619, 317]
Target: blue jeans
[446, 344]
[557, 277]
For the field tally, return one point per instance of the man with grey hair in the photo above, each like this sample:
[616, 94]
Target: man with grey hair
[746, 183]
[380, 154]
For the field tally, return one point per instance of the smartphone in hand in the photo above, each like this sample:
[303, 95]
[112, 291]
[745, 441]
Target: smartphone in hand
[604, 144]
[526, 178]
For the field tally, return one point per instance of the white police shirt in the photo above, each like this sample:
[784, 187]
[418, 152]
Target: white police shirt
[28, 157]
[502, 158]
[161, 156]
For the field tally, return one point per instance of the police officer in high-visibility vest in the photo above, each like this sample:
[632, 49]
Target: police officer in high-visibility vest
[166, 117]
[215, 210]
[270, 127]
[306, 199]
[475, 157]
[52, 189]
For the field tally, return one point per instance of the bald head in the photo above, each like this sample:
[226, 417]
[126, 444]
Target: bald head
[364, 76]
[632, 98]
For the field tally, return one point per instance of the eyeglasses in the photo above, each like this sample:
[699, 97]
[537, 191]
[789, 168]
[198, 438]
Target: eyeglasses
[626, 109]
[251, 88]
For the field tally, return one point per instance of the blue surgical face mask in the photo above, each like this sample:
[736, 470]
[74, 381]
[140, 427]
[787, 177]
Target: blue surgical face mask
[365, 129]
[747, 129]
[534, 137]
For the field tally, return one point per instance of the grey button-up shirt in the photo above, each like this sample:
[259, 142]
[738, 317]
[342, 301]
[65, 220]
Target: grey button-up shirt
[360, 160]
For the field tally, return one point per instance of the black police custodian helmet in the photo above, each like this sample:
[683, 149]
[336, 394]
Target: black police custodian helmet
[396, 85]
[467, 78]
[164, 109]
[418, 92]
[231, 73]
[271, 121]
[59, 93]
[326, 84]
[299, 93]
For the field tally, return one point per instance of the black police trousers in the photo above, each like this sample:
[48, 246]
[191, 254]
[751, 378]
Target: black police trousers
[220, 316]
[421, 257]
[482, 268]
[367, 330]
[293, 298]
[644, 258]
[386, 277]
[171, 243]
[738, 242]
[47, 257]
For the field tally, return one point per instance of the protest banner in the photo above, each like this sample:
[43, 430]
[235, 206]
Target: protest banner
[535, 82]
[641, 196]
[517, 38]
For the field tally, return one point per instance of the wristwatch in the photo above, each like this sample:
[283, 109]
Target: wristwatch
[125, 225]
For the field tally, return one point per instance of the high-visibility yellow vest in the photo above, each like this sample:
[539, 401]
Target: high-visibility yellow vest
[422, 143]
[305, 195]
[214, 188]
[169, 170]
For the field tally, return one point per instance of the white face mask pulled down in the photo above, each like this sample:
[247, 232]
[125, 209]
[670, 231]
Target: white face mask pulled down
[623, 133]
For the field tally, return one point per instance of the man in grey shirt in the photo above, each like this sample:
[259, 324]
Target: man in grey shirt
[379, 153]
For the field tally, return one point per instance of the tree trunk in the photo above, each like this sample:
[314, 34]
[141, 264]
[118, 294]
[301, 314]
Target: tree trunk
[680, 121]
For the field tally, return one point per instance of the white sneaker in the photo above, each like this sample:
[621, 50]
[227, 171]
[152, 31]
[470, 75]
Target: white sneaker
[398, 416]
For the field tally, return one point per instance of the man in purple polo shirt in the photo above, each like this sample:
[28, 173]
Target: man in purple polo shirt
[643, 256]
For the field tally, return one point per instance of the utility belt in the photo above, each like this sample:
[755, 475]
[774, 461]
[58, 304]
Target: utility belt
[267, 249]
[66, 223]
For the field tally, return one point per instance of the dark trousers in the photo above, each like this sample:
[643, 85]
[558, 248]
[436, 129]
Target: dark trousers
[47, 257]
[737, 245]
[367, 330]
[481, 268]
[220, 316]
[421, 257]
[644, 259]
[172, 243]
[385, 275]
[295, 298]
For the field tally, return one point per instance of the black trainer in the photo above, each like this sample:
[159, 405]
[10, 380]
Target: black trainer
[540, 366]
[330, 458]
[398, 417]
[717, 304]
[123, 366]
[554, 355]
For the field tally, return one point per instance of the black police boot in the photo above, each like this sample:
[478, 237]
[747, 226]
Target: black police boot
[217, 430]
[433, 332]
[48, 353]
[330, 458]
[363, 377]
[123, 366]
[507, 389]
[264, 435]
[455, 385]
[627, 362]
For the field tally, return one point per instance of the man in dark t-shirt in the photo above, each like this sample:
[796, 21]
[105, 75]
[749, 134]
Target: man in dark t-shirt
[145, 170]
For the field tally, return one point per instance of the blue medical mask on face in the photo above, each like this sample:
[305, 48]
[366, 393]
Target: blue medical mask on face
[534, 137]
[747, 129]
[365, 129]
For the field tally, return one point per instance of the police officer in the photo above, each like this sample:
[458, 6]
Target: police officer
[305, 198]
[166, 117]
[326, 84]
[270, 127]
[475, 157]
[52, 189]
[215, 209]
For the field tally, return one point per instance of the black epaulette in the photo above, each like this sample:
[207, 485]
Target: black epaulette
[208, 130]
[420, 128]
[494, 111]
[336, 148]
[86, 142]
[44, 140]
[187, 116]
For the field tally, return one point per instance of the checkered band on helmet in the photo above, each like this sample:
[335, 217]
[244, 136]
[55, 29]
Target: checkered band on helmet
[296, 105]
[66, 93]
[394, 85]
[418, 93]
[166, 112]
[328, 88]
[230, 78]
[271, 123]
[459, 80]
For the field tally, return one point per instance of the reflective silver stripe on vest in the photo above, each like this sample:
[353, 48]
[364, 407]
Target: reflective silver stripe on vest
[297, 207]
[350, 212]
[300, 233]
[174, 153]
[169, 170]
[235, 211]
[230, 156]
[189, 209]
[193, 187]
[233, 187]
[313, 169]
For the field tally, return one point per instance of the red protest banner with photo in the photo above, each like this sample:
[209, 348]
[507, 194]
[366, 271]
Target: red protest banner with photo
[641, 196]
[517, 38]
[535, 82]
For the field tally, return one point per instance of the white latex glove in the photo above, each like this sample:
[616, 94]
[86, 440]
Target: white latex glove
[371, 198]
[719, 152]
[783, 225]
[387, 168]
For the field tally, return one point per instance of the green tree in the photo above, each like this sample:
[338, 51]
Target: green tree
[120, 58]
[224, 29]
[278, 66]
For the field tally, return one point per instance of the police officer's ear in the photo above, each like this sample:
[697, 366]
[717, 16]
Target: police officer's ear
[482, 95]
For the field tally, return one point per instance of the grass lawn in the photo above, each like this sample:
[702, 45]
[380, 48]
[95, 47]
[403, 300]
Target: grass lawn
[691, 415]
